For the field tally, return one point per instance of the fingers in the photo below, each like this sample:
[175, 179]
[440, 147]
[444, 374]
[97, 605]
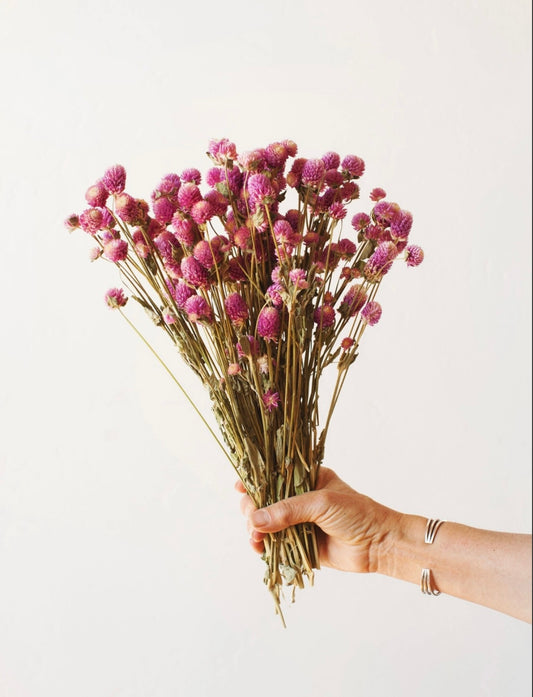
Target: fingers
[297, 509]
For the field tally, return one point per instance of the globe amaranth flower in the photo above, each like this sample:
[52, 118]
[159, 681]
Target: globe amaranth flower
[253, 160]
[414, 255]
[222, 150]
[260, 190]
[181, 292]
[95, 253]
[346, 248]
[334, 178]
[218, 202]
[298, 277]
[380, 262]
[371, 312]
[185, 229]
[142, 248]
[360, 221]
[353, 301]
[115, 298]
[401, 225]
[324, 316]
[377, 194]
[236, 309]
[114, 179]
[91, 220]
[313, 172]
[169, 316]
[116, 250]
[331, 160]
[166, 243]
[337, 211]
[269, 324]
[347, 343]
[234, 369]
[72, 222]
[270, 399]
[188, 195]
[198, 309]
[97, 195]
[276, 154]
[194, 272]
[191, 175]
[164, 208]
[274, 294]
[353, 165]
[208, 253]
[201, 212]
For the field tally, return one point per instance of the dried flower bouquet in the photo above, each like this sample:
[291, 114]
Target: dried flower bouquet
[259, 303]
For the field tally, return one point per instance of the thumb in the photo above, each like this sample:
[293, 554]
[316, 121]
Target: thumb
[278, 516]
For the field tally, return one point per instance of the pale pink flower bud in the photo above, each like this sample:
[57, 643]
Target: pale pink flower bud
[115, 298]
[414, 255]
[95, 253]
[72, 222]
[269, 324]
[234, 369]
[96, 195]
[114, 179]
[169, 316]
[116, 250]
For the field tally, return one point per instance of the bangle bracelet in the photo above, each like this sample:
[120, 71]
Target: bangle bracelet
[432, 526]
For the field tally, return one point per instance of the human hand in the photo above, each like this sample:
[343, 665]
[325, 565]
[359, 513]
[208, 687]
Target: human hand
[353, 530]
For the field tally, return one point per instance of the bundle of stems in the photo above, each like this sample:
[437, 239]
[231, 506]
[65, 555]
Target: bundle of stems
[258, 303]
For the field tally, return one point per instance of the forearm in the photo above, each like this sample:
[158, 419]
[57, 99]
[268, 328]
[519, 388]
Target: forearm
[481, 566]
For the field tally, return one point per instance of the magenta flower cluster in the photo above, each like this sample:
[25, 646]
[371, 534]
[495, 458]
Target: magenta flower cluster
[228, 253]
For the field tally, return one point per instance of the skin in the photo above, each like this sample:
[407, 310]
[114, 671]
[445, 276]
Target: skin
[357, 534]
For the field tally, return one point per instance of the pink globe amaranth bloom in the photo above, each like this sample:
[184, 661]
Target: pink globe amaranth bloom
[298, 277]
[97, 195]
[347, 343]
[95, 253]
[116, 250]
[114, 179]
[324, 316]
[380, 261]
[181, 292]
[260, 190]
[207, 253]
[164, 209]
[185, 229]
[218, 202]
[191, 175]
[269, 324]
[283, 231]
[253, 160]
[201, 212]
[166, 243]
[91, 220]
[291, 147]
[274, 293]
[360, 221]
[72, 222]
[194, 272]
[214, 176]
[313, 173]
[188, 195]
[126, 207]
[377, 194]
[276, 155]
[353, 165]
[108, 235]
[384, 212]
[331, 160]
[353, 301]
[333, 178]
[337, 211]
[115, 298]
[108, 221]
[371, 312]
[270, 400]
[292, 216]
[401, 225]
[168, 186]
[414, 255]
[350, 191]
[222, 150]
[236, 309]
[197, 309]
[173, 269]
[346, 248]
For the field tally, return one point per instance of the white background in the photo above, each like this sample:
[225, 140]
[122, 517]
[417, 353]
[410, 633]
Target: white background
[125, 569]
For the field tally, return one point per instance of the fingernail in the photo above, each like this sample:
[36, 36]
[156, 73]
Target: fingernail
[260, 518]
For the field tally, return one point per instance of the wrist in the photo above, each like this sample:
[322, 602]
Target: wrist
[401, 551]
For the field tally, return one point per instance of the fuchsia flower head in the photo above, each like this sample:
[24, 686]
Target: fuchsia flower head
[198, 310]
[115, 298]
[270, 399]
[97, 195]
[371, 312]
[114, 179]
[116, 250]
[414, 255]
[236, 308]
[269, 324]
[313, 172]
[354, 165]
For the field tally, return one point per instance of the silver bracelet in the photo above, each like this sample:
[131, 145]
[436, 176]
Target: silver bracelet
[432, 526]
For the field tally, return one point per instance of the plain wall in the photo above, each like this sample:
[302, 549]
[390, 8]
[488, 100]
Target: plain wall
[125, 569]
